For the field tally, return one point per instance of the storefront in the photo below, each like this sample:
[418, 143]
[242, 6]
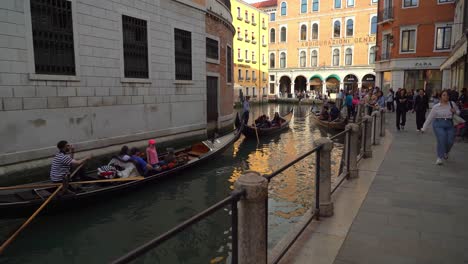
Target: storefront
[316, 83]
[429, 80]
[368, 81]
[350, 82]
[386, 81]
[333, 84]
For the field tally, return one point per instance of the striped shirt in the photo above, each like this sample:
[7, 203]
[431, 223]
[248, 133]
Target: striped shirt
[61, 165]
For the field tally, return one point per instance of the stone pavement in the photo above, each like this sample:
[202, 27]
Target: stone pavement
[415, 211]
[402, 209]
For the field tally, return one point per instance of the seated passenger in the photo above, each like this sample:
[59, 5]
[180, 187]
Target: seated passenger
[141, 163]
[334, 112]
[123, 154]
[324, 113]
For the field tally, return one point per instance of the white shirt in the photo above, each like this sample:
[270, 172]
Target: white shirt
[440, 111]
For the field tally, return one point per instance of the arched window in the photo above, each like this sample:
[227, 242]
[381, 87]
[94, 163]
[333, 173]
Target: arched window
[349, 28]
[272, 60]
[303, 6]
[315, 31]
[303, 32]
[283, 60]
[336, 57]
[372, 55]
[349, 57]
[373, 27]
[283, 34]
[302, 59]
[313, 58]
[272, 35]
[283, 9]
[337, 29]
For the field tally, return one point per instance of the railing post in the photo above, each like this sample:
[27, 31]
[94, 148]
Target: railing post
[382, 122]
[326, 205]
[360, 110]
[367, 132]
[353, 150]
[376, 127]
[252, 224]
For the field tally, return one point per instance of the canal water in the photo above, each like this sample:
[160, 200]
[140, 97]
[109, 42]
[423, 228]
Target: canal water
[116, 225]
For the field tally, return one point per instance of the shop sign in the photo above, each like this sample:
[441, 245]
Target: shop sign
[422, 64]
[340, 41]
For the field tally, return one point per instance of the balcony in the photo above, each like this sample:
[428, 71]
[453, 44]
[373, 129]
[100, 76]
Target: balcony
[239, 18]
[254, 23]
[247, 60]
[240, 59]
[254, 79]
[264, 79]
[385, 56]
[264, 27]
[240, 79]
[254, 41]
[264, 63]
[247, 40]
[239, 38]
[247, 21]
[254, 61]
[386, 15]
[264, 45]
[247, 78]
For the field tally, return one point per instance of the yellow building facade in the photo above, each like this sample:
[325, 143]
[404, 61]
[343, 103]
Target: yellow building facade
[250, 51]
[321, 45]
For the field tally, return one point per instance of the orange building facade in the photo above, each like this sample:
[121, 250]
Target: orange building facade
[414, 39]
[320, 45]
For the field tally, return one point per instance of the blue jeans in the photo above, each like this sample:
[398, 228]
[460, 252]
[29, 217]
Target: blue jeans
[445, 134]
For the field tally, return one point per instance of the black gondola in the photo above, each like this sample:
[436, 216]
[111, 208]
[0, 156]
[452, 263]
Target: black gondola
[249, 130]
[19, 203]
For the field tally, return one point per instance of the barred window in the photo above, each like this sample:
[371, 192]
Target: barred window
[183, 54]
[229, 64]
[135, 46]
[212, 49]
[52, 30]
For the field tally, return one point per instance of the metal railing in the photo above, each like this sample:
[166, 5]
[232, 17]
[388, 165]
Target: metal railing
[239, 195]
[386, 14]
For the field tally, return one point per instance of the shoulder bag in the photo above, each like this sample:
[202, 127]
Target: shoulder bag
[456, 118]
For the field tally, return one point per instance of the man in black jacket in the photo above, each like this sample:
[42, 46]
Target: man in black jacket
[401, 108]
[421, 104]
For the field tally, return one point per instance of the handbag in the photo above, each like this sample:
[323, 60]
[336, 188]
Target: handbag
[456, 119]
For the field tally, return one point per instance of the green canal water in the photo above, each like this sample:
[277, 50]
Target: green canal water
[108, 229]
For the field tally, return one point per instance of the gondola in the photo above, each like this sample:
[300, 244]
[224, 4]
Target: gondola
[22, 202]
[249, 130]
[335, 125]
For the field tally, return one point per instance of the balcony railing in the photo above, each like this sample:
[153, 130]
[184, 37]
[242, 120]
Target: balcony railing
[254, 79]
[254, 41]
[386, 14]
[247, 78]
[240, 78]
[254, 23]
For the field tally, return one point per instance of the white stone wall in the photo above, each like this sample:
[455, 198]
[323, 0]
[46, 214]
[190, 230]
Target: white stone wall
[98, 107]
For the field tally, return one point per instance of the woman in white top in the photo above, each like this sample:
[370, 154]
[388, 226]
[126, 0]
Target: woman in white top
[444, 131]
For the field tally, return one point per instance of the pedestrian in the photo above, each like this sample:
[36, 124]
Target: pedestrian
[421, 104]
[442, 114]
[401, 109]
[349, 104]
[390, 99]
[246, 109]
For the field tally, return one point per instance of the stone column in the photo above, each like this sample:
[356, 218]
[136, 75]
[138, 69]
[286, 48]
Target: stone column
[376, 128]
[354, 150]
[367, 136]
[360, 110]
[382, 122]
[252, 224]
[326, 205]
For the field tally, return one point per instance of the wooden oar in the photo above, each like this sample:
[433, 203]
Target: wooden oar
[256, 132]
[12, 237]
[46, 185]
[75, 171]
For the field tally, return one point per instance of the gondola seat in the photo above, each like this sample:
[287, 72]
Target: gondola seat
[130, 167]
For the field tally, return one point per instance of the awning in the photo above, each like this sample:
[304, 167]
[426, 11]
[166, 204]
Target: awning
[454, 56]
[334, 76]
[316, 76]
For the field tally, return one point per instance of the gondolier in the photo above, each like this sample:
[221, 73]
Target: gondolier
[246, 109]
[63, 161]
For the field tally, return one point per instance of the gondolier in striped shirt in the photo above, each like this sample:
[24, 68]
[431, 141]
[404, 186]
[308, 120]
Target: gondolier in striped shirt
[63, 161]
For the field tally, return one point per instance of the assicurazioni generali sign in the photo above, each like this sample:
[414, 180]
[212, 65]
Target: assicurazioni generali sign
[340, 41]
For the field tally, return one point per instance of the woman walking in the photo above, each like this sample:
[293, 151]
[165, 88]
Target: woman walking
[389, 99]
[442, 114]
[421, 104]
[401, 108]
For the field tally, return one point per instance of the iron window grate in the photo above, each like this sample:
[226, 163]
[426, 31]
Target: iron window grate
[212, 49]
[229, 64]
[135, 45]
[52, 30]
[183, 54]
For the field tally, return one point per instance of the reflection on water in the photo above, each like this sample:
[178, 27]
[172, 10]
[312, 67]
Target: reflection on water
[107, 230]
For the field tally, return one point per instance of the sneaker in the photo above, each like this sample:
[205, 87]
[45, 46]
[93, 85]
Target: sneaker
[439, 161]
[402, 127]
[419, 130]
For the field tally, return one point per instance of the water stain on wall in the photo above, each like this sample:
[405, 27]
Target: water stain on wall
[38, 122]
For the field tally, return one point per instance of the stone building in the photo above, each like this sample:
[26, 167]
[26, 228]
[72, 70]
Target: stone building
[321, 45]
[104, 73]
[251, 51]
[458, 58]
[414, 39]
